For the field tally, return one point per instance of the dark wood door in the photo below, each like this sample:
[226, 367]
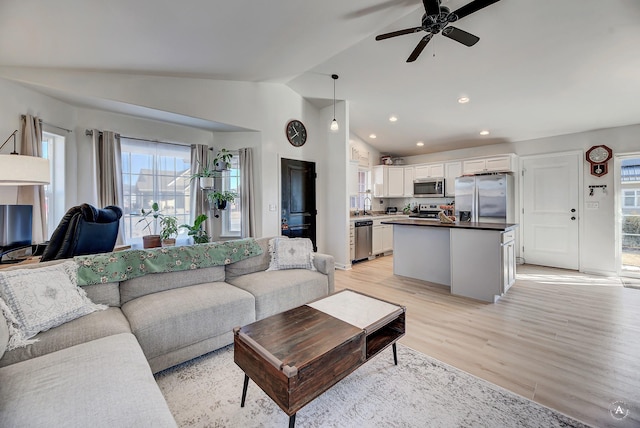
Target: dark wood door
[298, 199]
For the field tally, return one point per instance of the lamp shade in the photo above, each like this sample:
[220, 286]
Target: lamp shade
[18, 170]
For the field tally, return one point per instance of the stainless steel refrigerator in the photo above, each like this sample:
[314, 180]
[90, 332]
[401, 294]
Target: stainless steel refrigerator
[485, 198]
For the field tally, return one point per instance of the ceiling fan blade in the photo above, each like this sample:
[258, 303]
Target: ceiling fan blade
[419, 48]
[472, 7]
[461, 36]
[398, 33]
[432, 7]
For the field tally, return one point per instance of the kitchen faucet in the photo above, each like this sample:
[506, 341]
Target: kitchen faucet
[364, 203]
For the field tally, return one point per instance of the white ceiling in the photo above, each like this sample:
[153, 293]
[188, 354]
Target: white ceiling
[541, 68]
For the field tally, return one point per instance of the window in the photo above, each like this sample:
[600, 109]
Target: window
[154, 172]
[631, 199]
[53, 150]
[364, 197]
[232, 216]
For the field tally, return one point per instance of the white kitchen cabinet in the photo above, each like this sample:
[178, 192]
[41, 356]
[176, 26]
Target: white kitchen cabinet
[388, 181]
[504, 163]
[451, 171]
[352, 241]
[382, 238]
[508, 260]
[408, 181]
[434, 170]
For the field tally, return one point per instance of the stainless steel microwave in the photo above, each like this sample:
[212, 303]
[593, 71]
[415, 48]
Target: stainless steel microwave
[428, 188]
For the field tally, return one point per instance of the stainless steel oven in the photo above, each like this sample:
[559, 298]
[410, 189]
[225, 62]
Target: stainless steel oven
[428, 188]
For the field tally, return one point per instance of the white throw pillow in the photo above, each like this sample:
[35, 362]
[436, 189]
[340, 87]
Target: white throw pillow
[291, 253]
[41, 298]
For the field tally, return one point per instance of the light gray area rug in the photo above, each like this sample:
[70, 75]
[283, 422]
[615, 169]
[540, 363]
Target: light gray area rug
[419, 392]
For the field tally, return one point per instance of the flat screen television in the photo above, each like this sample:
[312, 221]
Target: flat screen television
[15, 227]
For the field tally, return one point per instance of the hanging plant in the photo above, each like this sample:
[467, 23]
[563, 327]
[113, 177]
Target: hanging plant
[220, 198]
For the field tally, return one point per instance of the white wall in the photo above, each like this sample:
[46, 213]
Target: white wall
[264, 107]
[597, 242]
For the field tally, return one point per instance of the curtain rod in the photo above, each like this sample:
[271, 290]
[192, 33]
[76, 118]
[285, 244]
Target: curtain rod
[49, 124]
[89, 133]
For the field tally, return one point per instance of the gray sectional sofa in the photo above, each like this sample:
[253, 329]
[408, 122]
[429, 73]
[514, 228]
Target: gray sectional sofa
[97, 370]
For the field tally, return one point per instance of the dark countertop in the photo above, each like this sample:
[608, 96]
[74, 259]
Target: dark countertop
[502, 227]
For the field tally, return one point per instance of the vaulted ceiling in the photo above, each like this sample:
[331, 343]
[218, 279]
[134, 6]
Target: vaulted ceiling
[541, 68]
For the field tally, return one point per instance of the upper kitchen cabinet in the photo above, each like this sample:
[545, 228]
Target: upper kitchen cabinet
[408, 181]
[388, 181]
[452, 170]
[434, 170]
[502, 163]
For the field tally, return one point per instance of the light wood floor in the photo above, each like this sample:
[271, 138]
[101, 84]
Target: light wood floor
[563, 339]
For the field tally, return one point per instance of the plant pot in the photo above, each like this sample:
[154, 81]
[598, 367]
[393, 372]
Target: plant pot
[221, 166]
[151, 241]
[221, 205]
[206, 182]
[169, 242]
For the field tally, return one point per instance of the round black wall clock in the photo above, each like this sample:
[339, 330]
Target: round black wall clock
[296, 133]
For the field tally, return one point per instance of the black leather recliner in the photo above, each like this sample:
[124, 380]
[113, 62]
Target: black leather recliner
[84, 230]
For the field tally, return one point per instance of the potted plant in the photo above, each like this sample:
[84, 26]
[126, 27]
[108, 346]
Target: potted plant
[222, 161]
[169, 230]
[196, 231]
[206, 174]
[220, 198]
[150, 216]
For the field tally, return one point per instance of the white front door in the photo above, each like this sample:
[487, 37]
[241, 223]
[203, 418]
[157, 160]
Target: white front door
[551, 213]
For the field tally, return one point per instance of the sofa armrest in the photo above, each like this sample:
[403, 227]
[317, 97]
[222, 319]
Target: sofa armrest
[325, 264]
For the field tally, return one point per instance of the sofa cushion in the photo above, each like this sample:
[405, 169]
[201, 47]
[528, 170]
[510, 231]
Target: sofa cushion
[155, 282]
[169, 320]
[40, 299]
[105, 294]
[90, 327]
[278, 291]
[103, 383]
[291, 253]
[252, 264]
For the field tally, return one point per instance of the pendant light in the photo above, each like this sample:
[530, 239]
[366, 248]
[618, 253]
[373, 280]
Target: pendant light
[334, 123]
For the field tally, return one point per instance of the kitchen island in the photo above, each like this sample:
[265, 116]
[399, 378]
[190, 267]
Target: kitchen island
[475, 260]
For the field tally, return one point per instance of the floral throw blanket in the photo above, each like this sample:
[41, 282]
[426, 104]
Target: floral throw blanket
[122, 265]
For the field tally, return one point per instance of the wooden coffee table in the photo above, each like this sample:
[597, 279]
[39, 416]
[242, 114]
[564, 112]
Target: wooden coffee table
[297, 355]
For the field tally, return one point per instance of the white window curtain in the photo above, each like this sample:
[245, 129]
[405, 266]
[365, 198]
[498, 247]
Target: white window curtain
[200, 155]
[31, 145]
[248, 222]
[108, 167]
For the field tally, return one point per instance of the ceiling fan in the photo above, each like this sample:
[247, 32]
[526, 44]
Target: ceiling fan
[436, 20]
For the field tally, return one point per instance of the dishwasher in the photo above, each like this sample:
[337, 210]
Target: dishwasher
[363, 230]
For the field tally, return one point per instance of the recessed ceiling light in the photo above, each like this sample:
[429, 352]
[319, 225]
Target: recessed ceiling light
[373, 136]
[419, 144]
[393, 118]
[484, 132]
[463, 100]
